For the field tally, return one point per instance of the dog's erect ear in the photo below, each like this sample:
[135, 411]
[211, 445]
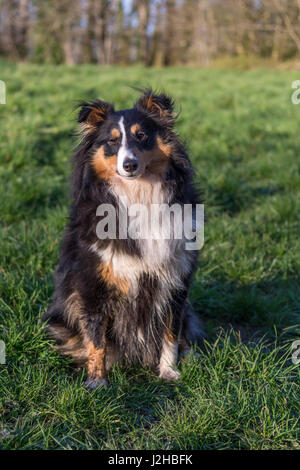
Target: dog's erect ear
[159, 107]
[91, 115]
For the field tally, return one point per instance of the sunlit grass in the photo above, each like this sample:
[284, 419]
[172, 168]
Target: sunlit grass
[243, 135]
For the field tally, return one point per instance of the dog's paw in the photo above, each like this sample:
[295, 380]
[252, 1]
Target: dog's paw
[169, 374]
[94, 383]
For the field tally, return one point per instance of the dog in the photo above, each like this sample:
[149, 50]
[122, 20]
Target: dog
[125, 299]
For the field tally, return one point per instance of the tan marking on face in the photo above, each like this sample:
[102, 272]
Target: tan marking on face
[112, 280]
[156, 160]
[105, 167]
[96, 361]
[135, 128]
[115, 133]
[166, 149]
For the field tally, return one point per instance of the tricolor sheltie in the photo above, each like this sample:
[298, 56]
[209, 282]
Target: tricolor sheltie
[125, 299]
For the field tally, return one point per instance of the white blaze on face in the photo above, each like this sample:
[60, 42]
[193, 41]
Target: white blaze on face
[124, 152]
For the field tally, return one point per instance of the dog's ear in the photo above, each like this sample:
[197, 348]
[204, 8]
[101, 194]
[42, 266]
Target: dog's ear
[159, 107]
[91, 115]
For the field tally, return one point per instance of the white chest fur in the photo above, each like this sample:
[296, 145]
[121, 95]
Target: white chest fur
[161, 254]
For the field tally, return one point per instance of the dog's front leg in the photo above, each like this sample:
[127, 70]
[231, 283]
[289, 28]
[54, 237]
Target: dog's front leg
[96, 352]
[168, 358]
[169, 350]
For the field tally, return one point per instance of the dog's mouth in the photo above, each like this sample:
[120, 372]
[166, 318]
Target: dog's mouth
[130, 176]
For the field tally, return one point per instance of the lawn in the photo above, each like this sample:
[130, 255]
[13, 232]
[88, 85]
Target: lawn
[243, 391]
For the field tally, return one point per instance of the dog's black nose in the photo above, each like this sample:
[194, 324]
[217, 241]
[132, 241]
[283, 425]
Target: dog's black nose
[130, 165]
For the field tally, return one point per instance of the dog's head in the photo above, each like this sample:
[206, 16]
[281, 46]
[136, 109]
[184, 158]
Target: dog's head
[133, 143]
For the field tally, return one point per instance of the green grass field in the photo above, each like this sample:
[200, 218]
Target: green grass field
[243, 392]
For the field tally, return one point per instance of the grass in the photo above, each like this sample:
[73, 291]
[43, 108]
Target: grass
[243, 392]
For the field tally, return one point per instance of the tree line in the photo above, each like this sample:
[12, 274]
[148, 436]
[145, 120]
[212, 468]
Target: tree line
[151, 32]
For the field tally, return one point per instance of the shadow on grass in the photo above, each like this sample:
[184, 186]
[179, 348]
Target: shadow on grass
[269, 307]
[232, 195]
[48, 140]
[141, 396]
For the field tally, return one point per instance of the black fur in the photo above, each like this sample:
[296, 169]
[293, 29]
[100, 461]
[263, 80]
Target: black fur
[99, 312]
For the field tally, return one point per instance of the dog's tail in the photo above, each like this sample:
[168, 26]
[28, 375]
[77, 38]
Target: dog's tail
[68, 341]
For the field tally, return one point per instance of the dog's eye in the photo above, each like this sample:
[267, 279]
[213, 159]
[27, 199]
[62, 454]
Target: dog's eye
[113, 140]
[140, 136]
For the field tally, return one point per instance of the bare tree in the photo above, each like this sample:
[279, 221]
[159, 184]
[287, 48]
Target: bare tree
[290, 14]
[156, 32]
[14, 28]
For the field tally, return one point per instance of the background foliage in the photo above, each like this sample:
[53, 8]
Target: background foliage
[152, 32]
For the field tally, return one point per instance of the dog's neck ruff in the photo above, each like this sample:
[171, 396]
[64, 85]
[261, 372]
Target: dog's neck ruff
[161, 257]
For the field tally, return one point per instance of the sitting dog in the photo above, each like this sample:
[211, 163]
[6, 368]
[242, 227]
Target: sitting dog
[125, 298]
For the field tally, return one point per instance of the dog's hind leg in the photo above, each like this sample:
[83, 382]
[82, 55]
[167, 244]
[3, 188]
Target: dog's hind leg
[192, 330]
